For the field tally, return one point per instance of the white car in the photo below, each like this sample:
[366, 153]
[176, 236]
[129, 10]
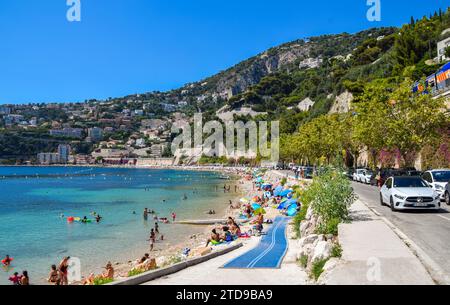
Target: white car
[358, 174]
[447, 194]
[362, 175]
[402, 193]
[438, 179]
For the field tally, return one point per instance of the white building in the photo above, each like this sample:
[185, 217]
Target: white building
[305, 105]
[64, 153]
[96, 134]
[48, 158]
[67, 132]
[441, 47]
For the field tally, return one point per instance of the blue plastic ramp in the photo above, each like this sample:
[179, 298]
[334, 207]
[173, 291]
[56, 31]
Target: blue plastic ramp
[268, 253]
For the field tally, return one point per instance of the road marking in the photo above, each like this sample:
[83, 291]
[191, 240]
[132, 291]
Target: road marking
[446, 218]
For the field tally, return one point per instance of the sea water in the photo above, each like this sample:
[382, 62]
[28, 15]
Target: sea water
[36, 201]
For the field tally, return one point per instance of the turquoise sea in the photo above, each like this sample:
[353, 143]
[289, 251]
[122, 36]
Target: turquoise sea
[32, 200]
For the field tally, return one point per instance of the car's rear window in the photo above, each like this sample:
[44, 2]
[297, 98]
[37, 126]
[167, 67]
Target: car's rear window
[443, 176]
[409, 182]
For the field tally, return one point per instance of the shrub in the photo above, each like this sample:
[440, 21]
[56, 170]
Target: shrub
[317, 268]
[134, 272]
[303, 261]
[330, 196]
[283, 181]
[101, 281]
[336, 251]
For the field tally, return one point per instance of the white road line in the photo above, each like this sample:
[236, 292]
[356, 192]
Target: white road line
[446, 218]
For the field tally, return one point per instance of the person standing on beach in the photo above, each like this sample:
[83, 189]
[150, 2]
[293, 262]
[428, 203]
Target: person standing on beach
[63, 270]
[153, 235]
[174, 216]
[156, 227]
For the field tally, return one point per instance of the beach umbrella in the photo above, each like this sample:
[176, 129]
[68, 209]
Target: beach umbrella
[278, 190]
[286, 203]
[260, 211]
[285, 193]
[256, 206]
[292, 210]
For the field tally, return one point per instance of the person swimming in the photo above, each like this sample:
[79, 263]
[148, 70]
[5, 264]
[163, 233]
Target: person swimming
[98, 218]
[145, 214]
[7, 261]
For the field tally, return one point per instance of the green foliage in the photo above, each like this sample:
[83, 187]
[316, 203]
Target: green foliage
[317, 268]
[135, 272]
[172, 260]
[102, 281]
[336, 251]
[303, 261]
[330, 196]
[447, 52]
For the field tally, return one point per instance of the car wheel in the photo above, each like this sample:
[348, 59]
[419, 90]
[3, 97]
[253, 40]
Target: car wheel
[393, 209]
[447, 198]
[381, 200]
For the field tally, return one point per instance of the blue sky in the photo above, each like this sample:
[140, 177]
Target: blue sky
[123, 47]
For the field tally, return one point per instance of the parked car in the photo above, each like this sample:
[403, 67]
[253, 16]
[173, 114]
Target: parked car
[366, 176]
[438, 179]
[362, 175]
[308, 172]
[357, 174]
[447, 194]
[349, 173]
[406, 192]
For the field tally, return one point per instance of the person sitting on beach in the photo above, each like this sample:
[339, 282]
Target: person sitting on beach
[227, 236]
[259, 222]
[109, 272]
[53, 276]
[89, 280]
[215, 238]
[15, 279]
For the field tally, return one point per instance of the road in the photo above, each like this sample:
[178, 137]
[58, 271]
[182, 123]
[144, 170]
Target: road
[429, 230]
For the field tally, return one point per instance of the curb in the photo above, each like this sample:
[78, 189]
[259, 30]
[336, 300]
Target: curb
[152, 275]
[433, 269]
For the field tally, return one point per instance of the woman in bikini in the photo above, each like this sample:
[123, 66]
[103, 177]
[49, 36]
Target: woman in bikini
[63, 269]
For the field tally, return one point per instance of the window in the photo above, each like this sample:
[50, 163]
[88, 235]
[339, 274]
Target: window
[389, 183]
[427, 177]
[409, 182]
[443, 176]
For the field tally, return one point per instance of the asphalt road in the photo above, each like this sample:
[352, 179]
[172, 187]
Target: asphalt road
[427, 229]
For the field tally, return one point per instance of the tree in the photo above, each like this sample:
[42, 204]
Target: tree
[370, 114]
[413, 121]
[447, 52]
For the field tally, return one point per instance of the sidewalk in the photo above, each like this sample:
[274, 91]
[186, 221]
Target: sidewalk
[374, 255]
